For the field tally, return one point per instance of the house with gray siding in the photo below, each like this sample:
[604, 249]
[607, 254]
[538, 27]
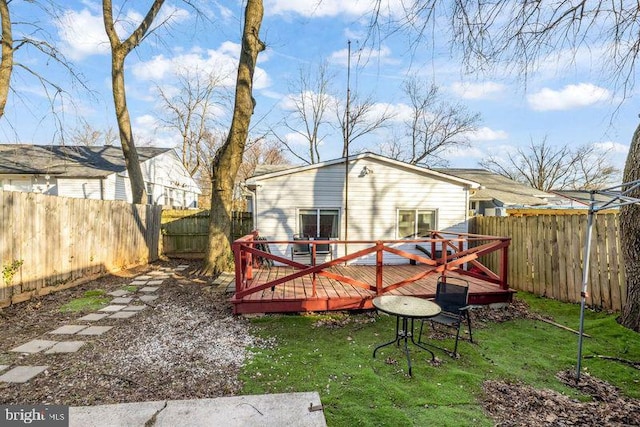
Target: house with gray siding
[365, 197]
[96, 173]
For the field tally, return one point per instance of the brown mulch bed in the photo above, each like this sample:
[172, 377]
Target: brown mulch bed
[186, 344]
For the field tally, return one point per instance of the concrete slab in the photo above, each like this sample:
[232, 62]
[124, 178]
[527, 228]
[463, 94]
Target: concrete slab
[126, 414]
[22, 374]
[270, 410]
[93, 317]
[148, 298]
[139, 282]
[68, 329]
[134, 308]
[145, 277]
[118, 293]
[155, 282]
[112, 308]
[121, 300]
[3, 367]
[65, 347]
[183, 266]
[95, 330]
[34, 346]
[148, 289]
[123, 314]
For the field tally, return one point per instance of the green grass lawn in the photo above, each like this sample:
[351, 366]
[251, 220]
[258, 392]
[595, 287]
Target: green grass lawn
[332, 354]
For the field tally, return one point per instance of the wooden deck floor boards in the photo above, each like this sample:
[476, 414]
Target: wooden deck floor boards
[297, 295]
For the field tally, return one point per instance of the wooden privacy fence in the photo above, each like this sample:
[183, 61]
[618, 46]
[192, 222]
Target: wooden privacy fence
[49, 243]
[184, 232]
[546, 256]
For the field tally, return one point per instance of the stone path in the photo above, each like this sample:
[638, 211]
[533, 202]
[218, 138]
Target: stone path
[126, 304]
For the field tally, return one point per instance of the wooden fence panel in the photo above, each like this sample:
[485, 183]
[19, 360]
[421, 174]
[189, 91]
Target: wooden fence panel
[60, 242]
[185, 232]
[546, 256]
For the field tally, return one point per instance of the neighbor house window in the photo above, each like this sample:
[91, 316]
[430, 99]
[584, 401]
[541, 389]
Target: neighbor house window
[149, 193]
[414, 223]
[318, 222]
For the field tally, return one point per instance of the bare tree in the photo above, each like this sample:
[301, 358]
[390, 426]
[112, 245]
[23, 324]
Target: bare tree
[87, 135]
[119, 51]
[311, 99]
[6, 65]
[191, 113]
[261, 152]
[364, 118]
[523, 33]
[434, 126]
[228, 159]
[548, 167]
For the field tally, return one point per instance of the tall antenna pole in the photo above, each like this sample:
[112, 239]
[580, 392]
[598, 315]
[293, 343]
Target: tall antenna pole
[345, 149]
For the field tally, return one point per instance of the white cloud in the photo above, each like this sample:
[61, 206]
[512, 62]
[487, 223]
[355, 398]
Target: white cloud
[613, 147]
[364, 57]
[224, 61]
[481, 90]
[571, 96]
[487, 134]
[328, 8]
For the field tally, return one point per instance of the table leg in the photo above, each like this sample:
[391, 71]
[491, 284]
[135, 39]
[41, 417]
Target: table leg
[433, 356]
[395, 340]
[406, 333]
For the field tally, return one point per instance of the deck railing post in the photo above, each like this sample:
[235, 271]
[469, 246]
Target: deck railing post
[504, 264]
[379, 246]
[313, 263]
[249, 260]
[238, 266]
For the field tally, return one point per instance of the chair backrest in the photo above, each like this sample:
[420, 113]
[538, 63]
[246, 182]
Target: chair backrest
[322, 248]
[300, 248]
[451, 297]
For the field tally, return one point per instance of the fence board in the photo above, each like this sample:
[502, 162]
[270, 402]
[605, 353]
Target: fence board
[62, 242]
[546, 254]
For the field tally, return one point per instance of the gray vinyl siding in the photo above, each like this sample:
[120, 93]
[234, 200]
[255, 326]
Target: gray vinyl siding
[373, 203]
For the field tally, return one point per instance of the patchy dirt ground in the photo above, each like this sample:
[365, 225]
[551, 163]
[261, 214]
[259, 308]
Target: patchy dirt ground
[187, 344]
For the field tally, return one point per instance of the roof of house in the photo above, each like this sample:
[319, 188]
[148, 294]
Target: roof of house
[272, 171]
[497, 187]
[68, 160]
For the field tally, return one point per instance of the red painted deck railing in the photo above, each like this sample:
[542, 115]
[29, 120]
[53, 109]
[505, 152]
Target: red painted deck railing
[246, 248]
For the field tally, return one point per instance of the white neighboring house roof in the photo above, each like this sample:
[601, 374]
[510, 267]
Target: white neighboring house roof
[267, 172]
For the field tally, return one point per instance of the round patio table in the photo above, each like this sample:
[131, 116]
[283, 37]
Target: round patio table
[407, 309]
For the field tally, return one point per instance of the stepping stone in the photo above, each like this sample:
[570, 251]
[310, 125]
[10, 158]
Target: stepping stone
[155, 282]
[139, 282]
[112, 308]
[93, 317]
[148, 298]
[180, 268]
[34, 346]
[68, 329]
[143, 278]
[118, 293]
[22, 374]
[183, 266]
[121, 300]
[134, 308]
[3, 367]
[95, 330]
[123, 314]
[148, 289]
[65, 347]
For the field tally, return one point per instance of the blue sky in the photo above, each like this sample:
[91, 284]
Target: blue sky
[566, 99]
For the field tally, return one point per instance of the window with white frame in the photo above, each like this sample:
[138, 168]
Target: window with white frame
[318, 222]
[415, 223]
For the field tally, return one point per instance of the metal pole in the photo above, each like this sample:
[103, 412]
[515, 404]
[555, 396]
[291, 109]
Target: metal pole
[346, 150]
[585, 280]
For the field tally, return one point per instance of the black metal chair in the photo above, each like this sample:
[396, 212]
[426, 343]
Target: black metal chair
[452, 296]
[300, 249]
[324, 248]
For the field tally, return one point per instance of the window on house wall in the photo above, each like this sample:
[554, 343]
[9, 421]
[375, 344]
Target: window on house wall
[414, 223]
[318, 222]
[149, 193]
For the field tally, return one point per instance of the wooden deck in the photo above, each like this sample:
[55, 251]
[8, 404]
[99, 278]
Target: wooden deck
[297, 295]
[338, 285]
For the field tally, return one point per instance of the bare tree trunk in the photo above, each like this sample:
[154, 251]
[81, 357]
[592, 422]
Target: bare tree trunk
[119, 51]
[229, 157]
[7, 54]
[630, 239]
[132, 162]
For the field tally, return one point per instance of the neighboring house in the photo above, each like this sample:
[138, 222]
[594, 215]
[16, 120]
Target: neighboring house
[385, 200]
[95, 173]
[498, 193]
